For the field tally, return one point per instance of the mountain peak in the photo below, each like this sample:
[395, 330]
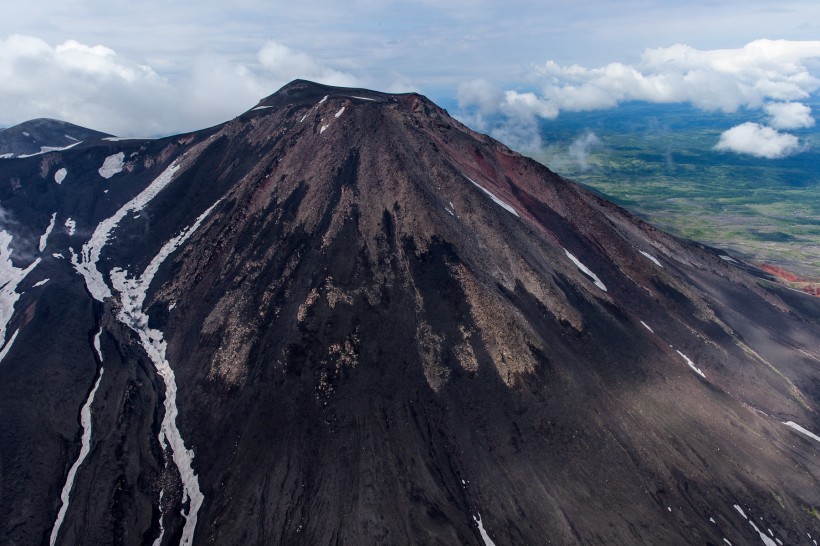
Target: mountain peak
[34, 135]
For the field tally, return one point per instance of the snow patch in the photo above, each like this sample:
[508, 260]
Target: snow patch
[362, 98]
[322, 130]
[59, 256]
[71, 138]
[651, 257]
[484, 536]
[647, 327]
[112, 165]
[323, 99]
[6, 156]
[71, 226]
[132, 296]
[40, 283]
[339, 113]
[8, 345]
[801, 430]
[120, 139]
[59, 176]
[10, 277]
[691, 364]
[47, 149]
[26, 134]
[97, 345]
[740, 511]
[85, 448]
[766, 540]
[504, 205]
[86, 262]
[728, 259]
[261, 108]
[726, 540]
[586, 270]
[44, 236]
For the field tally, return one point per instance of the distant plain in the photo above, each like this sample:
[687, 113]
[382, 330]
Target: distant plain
[660, 162]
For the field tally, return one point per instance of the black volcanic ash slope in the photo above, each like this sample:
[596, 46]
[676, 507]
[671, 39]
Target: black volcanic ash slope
[345, 318]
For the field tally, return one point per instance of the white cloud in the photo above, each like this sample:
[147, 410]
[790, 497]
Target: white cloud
[789, 115]
[285, 64]
[95, 87]
[758, 140]
[719, 79]
[581, 147]
[480, 93]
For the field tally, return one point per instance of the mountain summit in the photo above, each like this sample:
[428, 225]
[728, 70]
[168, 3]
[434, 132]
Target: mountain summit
[345, 318]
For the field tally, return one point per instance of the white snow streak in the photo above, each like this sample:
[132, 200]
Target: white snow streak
[363, 98]
[651, 257]
[586, 270]
[8, 345]
[60, 175]
[58, 255]
[691, 364]
[740, 510]
[85, 420]
[119, 139]
[47, 149]
[766, 540]
[10, 277]
[112, 165]
[132, 296]
[728, 259]
[97, 345]
[801, 430]
[506, 206]
[40, 283]
[6, 156]
[158, 541]
[322, 130]
[487, 540]
[71, 138]
[339, 113]
[86, 263]
[71, 226]
[261, 108]
[647, 327]
[323, 99]
[44, 236]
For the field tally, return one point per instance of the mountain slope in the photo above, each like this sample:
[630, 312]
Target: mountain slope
[345, 318]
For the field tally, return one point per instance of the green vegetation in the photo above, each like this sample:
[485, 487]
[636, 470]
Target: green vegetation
[659, 162]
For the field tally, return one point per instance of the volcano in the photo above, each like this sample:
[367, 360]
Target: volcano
[345, 318]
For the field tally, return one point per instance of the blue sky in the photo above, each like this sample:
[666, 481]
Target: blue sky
[147, 67]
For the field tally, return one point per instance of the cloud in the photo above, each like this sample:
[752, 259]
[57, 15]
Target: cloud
[481, 94]
[719, 79]
[789, 115]
[95, 87]
[581, 147]
[285, 64]
[759, 141]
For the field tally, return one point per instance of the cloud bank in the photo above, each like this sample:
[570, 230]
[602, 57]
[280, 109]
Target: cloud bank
[95, 87]
[772, 75]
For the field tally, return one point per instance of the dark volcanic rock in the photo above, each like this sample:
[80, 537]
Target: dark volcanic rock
[345, 318]
[39, 135]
